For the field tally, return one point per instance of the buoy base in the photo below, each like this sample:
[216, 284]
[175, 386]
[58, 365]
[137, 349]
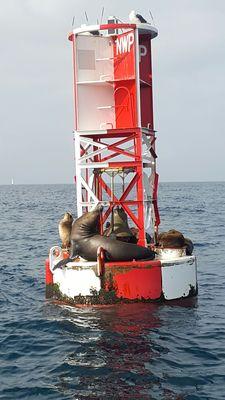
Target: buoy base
[83, 282]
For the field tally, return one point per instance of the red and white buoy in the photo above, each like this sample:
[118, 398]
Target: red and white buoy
[116, 156]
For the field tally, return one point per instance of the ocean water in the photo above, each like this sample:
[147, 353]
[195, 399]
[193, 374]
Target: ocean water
[130, 351]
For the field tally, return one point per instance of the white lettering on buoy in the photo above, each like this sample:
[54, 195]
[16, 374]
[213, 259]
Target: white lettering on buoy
[142, 50]
[123, 44]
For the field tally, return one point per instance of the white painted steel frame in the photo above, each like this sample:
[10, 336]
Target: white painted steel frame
[84, 162]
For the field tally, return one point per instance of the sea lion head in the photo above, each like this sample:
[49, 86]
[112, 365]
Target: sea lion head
[68, 217]
[65, 226]
[120, 224]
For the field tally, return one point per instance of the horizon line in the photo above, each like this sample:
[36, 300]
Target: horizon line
[66, 183]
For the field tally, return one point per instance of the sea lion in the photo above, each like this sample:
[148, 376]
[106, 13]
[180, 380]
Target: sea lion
[65, 226]
[189, 246]
[119, 227]
[174, 239]
[135, 232]
[85, 240]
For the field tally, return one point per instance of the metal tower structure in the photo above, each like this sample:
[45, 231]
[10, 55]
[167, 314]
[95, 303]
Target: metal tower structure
[114, 132]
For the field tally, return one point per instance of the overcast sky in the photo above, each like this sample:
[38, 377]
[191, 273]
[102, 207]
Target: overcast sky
[36, 98]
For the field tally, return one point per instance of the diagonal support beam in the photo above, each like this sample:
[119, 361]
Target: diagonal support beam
[120, 201]
[90, 192]
[92, 154]
[129, 187]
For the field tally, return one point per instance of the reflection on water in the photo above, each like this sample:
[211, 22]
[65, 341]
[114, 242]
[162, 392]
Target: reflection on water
[117, 350]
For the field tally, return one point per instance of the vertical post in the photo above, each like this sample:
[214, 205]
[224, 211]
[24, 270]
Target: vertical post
[137, 73]
[140, 190]
[75, 83]
[78, 173]
[98, 187]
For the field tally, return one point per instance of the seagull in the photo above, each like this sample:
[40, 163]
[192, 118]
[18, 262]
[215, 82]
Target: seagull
[136, 18]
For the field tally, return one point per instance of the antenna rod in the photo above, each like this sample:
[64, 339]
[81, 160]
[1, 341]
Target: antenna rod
[86, 16]
[103, 9]
[150, 13]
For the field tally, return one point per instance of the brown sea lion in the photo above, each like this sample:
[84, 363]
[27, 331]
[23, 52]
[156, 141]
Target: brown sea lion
[120, 228]
[174, 239]
[85, 240]
[65, 227]
[135, 232]
[189, 246]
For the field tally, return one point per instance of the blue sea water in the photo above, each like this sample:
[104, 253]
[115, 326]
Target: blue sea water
[131, 351]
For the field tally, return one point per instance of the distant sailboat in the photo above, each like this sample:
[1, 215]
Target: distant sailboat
[12, 181]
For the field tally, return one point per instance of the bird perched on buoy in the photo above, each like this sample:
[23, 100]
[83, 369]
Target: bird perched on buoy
[65, 226]
[136, 18]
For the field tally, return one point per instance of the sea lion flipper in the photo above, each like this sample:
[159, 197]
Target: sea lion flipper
[63, 262]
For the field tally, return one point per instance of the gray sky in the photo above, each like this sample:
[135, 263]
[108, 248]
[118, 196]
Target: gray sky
[36, 98]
